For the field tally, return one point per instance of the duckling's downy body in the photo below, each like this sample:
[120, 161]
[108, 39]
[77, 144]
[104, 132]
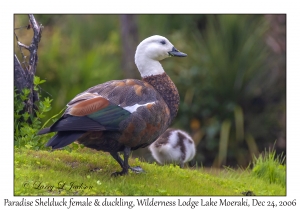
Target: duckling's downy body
[123, 115]
[173, 146]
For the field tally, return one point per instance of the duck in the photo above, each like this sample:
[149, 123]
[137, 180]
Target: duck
[173, 146]
[123, 115]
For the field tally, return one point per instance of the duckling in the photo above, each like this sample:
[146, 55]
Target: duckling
[173, 146]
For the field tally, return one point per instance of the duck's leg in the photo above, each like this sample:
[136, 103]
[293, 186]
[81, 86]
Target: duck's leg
[124, 164]
[181, 164]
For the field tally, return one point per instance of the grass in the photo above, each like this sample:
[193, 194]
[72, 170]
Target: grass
[87, 172]
[270, 168]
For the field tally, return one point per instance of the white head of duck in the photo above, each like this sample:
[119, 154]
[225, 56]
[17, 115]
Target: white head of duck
[152, 50]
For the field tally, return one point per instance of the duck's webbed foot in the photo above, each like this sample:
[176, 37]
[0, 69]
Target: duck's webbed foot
[137, 169]
[119, 173]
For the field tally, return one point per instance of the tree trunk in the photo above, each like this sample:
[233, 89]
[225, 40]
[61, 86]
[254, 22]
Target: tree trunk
[24, 78]
[129, 38]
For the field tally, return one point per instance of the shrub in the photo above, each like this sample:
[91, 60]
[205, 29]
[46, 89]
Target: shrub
[27, 125]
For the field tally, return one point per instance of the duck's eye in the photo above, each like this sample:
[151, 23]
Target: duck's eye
[163, 42]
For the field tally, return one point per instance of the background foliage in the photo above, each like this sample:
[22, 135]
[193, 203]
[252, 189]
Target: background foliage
[232, 84]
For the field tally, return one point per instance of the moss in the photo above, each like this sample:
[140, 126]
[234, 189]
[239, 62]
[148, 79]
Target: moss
[87, 172]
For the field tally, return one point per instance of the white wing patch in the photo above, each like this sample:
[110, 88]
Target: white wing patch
[133, 108]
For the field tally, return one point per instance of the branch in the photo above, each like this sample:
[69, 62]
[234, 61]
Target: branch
[23, 45]
[37, 30]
